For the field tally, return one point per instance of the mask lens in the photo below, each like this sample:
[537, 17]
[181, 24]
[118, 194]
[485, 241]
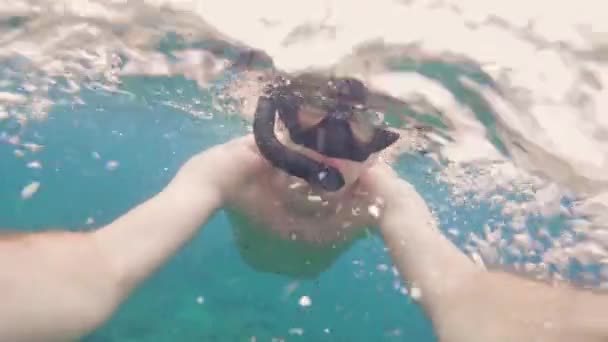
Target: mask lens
[309, 116]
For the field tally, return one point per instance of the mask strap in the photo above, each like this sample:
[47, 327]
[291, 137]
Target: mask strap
[294, 163]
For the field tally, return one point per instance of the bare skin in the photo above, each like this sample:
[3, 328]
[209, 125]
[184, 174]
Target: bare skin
[469, 304]
[464, 302]
[293, 211]
[284, 210]
[59, 285]
[290, 209]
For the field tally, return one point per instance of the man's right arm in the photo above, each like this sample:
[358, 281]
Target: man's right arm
[59, 285]
[55, 285]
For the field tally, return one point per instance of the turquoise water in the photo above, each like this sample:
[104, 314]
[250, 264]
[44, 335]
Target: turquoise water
[354, 300]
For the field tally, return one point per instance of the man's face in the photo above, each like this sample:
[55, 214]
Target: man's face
[351, 170]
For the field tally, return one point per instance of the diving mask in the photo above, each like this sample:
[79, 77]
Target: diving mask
[332, 121]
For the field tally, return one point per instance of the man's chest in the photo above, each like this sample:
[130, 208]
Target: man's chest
[295, 215]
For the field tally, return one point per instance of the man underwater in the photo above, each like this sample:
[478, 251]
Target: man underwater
[305, 207]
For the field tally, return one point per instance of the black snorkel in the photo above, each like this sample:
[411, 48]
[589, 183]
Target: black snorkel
[331, 137]
[294, 163]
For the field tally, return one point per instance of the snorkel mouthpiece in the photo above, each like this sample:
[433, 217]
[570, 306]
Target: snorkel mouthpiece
[331, 136]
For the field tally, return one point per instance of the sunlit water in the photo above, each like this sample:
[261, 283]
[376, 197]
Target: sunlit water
[101, 101]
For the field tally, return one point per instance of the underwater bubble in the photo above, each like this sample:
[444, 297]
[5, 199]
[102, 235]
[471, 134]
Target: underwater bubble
[111, 165]
[14, 140]
[12, 98]
[34, 165]
[382, 267]
[477, 259]
[523, 242]
[314, 198]
[489, 254]
[374, 211]
[305, 301]
[589, 252]
[359, 274]
[296, 331]
[396, 285]
[206, 115]
[454, 232]
[415, 293]
[33, 147]
[394, 332]
[90, 221]
[295, 185]
[200, 300]
[290, 288]
[29, 190]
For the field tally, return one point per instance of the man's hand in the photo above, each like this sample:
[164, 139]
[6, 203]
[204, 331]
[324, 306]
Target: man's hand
[384, 189]
[223, 167]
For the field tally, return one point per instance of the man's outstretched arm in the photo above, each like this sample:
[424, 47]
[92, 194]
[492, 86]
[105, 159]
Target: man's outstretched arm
[467, 303]
[60, 285]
